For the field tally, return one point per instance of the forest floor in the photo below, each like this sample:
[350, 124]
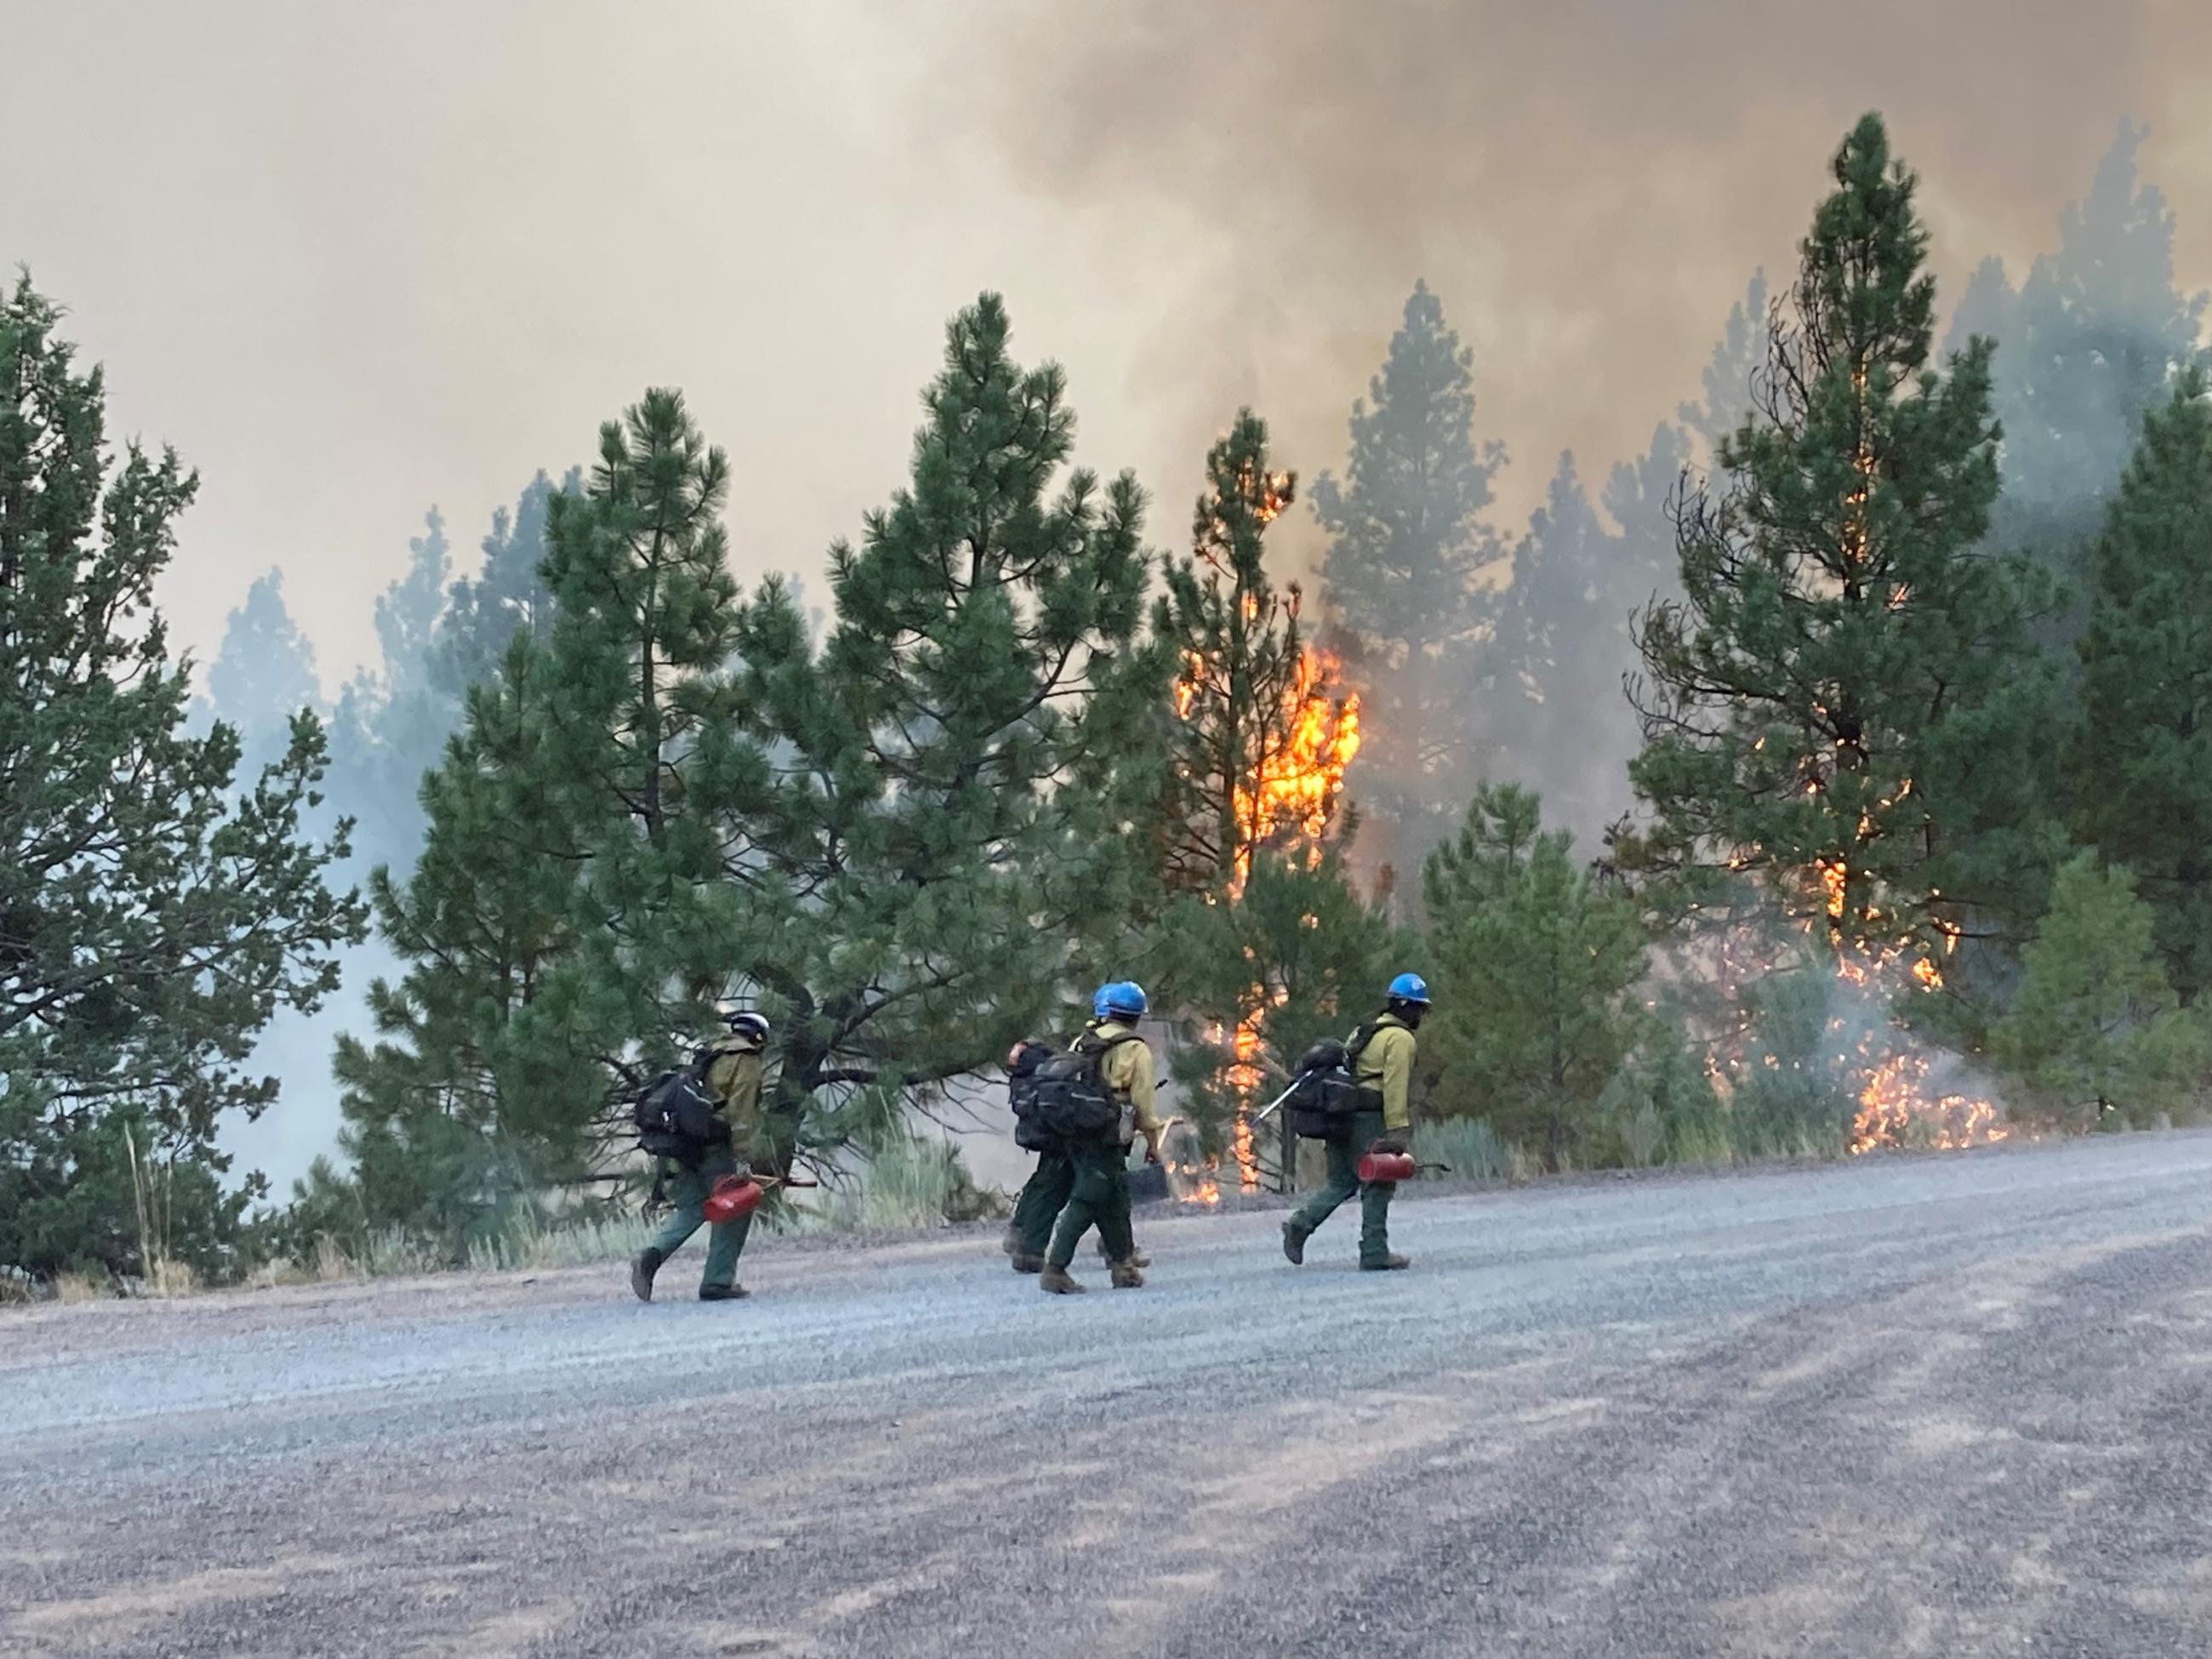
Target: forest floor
[1951, 1405]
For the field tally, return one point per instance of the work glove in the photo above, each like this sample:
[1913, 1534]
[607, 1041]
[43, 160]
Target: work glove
[1393, 1140]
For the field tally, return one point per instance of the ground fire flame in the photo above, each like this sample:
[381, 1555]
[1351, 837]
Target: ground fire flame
[1905, 1092]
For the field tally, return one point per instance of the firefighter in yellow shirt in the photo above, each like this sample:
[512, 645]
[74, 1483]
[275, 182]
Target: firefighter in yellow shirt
[1100, 1196]
[1383, 1065]
[733, 1079]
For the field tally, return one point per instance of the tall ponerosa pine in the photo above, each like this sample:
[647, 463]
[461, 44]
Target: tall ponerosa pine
[1262, 942]
[1844, 704]
[264, 673]
[1408, 546]
[557, 930]
[450, 1110]
[932, 813]
[1262, 733]
[1561, 646]
[2090, 342]
[2141, 761]
[152, 918]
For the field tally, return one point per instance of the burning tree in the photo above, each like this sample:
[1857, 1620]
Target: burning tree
[1252, 822]
[1264, 732]
[1846, 707]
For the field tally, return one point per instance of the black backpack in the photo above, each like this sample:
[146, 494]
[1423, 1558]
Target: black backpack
[1328, 1092]
[674, 1113]
[1029, 1132]
[1071, 1103]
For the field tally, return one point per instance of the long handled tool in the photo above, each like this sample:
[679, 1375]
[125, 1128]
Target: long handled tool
[1270, 1109]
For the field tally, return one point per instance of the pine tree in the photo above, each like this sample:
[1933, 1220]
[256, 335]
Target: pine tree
[646, 614]
[2090, 342]
[152, 918]
[1730, 378]
[1844, 704]
[1408, 553]
[1562, 644]
[436, 642]
[407, 612]
[506, 597]
[550, 936]
[1261, 738]
[390, 723]
[1262, 939]
[264, 673]
[2094, 1027]
[452, 1111]
[2140, 764]
[933, 815]
[1540, 965]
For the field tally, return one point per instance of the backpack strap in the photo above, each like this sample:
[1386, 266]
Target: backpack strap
[1356, 1045]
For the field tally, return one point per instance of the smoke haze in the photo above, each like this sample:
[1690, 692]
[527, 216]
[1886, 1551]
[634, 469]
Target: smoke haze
[354, 261]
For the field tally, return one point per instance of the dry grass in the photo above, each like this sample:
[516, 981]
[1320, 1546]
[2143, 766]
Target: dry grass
[531, 1240]
[331, 1263]
[74, 1287]
[910, 1183]
[168, 1277]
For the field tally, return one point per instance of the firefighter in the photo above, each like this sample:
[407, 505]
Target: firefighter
[1101, 1193]
[1046, 1192]
[734, 1078]
[1385, 1066]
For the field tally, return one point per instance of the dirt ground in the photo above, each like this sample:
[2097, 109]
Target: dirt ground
[1946, 1405]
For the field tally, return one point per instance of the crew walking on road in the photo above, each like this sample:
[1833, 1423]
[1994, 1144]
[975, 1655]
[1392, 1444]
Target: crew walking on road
[1081, 1110]
[1381, 1055]
[712, 1110]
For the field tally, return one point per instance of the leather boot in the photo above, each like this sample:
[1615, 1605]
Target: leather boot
[642, 1266]
[1137, 1256]
[1028, 1264]
[1389, 1264]
[1056, 1281]
[1294, 1244]
[724, 1293]
[1127, 1278]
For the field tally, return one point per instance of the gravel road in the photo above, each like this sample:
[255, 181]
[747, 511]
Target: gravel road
[1948, 1406]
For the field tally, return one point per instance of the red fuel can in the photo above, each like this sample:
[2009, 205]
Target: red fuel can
[1386, 1166]
[733, 1196]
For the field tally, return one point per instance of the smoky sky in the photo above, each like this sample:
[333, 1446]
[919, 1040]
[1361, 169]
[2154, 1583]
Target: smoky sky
[354, 261]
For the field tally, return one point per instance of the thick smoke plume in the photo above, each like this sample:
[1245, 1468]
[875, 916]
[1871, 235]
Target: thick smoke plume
[1587, 183]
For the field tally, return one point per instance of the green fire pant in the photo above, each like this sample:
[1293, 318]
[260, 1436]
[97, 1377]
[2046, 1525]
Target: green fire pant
[1101, 1198]
[1044, 1195]
[1343, 1182]
[687, 1194]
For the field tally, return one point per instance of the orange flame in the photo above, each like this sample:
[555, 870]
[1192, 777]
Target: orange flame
[1896, 1109]
[1292, 792]
[1296, 786]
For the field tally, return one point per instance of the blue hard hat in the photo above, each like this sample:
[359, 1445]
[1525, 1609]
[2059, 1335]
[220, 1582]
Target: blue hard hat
[1410, 988]
[1124, 999]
